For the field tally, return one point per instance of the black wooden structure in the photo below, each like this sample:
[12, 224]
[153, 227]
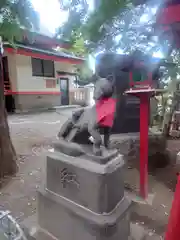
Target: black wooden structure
[127, 115]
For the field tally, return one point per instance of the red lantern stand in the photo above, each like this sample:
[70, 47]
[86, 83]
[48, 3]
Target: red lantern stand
[144, 91]
[168, 28]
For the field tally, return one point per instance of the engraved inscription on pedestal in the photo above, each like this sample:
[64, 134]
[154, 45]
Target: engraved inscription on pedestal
[68, 178]
[77, 178]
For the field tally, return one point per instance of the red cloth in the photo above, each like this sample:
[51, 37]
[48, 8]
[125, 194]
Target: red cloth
[105, 109]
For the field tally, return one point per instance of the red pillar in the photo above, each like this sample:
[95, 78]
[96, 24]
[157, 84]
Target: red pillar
[173, 229]
[144, 120]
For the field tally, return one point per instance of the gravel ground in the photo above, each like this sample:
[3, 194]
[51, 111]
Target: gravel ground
[32, 135]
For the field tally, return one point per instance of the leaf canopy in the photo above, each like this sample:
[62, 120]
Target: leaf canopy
[16, 15]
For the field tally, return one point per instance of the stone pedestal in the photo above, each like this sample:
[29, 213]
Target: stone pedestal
[84, 198]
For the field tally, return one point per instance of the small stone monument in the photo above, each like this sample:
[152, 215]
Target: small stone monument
[84, 192]
[84, 196]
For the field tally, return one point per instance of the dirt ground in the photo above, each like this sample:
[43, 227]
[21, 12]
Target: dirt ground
[32, 136]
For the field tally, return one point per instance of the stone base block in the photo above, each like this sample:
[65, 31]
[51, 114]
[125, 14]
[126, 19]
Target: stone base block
[40, 234]
[66, 220]
[86, 182]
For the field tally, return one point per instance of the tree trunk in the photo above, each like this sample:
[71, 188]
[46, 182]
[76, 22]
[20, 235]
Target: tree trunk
[7, 152]
[168, 117]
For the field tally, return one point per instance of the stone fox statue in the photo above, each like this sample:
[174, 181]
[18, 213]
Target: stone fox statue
[87, 122]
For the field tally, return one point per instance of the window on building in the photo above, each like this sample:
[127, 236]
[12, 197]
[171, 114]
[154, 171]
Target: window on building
[42, 68]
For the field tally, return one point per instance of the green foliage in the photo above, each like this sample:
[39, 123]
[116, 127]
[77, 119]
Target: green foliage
[84, 72]
[16, 15]
[103, 18]
[79, 49]
[77, 9]
[108, 20]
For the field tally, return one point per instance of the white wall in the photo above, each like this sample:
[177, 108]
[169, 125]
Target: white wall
[20, 71]
[12, 71]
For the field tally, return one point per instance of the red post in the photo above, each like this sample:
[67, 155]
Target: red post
[144, 95]
[173, 229]
[144, 120]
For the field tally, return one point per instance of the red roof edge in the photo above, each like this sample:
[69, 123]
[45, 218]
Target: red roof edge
[44, 56]
[45, 40]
